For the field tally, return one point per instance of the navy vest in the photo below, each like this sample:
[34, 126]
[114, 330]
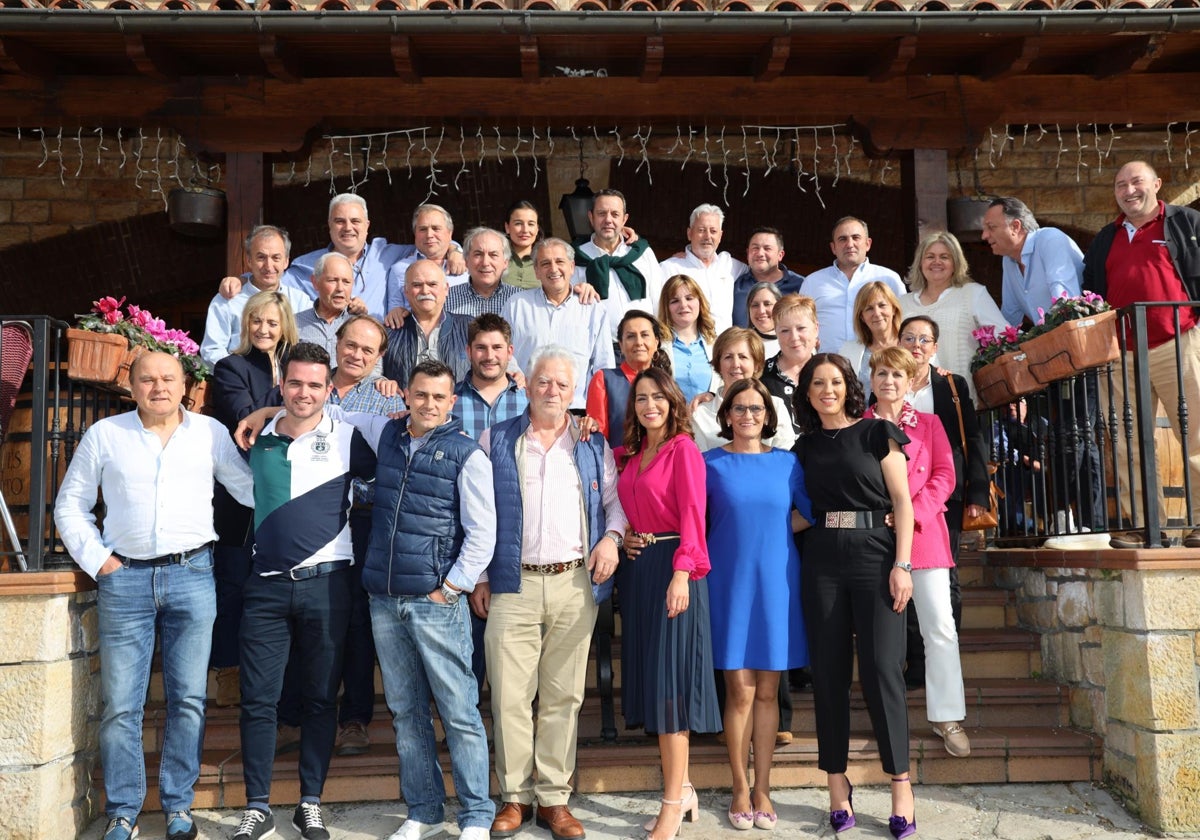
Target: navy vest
[617, 387]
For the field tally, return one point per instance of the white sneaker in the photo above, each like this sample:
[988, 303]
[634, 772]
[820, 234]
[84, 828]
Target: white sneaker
[475, 832]
[1078, 542]
[413, 830]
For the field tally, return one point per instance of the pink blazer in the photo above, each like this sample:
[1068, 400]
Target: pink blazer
[931, 481]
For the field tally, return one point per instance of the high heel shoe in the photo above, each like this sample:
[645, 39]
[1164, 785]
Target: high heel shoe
[689, 807]
[841, 820]
[678, 823]
[899, 826]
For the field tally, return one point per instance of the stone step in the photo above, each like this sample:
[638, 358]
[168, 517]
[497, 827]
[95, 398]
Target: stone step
[999, 755]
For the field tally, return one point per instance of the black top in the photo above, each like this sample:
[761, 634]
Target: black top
[842, 468]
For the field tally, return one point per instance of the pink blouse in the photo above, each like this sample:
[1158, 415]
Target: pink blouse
[669, 496]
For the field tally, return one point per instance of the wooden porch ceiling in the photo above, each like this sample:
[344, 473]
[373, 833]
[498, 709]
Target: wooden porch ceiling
[248, 81]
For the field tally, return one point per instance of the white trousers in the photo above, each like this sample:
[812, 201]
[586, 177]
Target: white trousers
[944, 700]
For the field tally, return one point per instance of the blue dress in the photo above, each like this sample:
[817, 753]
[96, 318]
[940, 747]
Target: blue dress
[754, 584]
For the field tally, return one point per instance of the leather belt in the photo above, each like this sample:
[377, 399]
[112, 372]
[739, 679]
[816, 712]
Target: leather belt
[319, 570]
[552, 568]
[165, 559]
[850, 518]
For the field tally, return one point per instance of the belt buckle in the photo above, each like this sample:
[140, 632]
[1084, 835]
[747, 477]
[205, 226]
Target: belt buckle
[648, 538]
[840, 519]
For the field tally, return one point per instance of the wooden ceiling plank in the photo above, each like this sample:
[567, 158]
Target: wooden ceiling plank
[894, 60]
[769, 63]
[149, 60]
[530, 59]
[1134, 56]
[403, 60]
[278, 57]
[21, 59]
[1009, 60]
[652, 60]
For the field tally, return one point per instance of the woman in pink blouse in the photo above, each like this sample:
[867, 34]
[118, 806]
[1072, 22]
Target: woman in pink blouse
[931, 479]
[667, 682]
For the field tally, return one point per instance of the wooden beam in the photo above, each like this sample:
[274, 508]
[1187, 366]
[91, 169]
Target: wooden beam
[247, 188]
[1009, 60]
[1132, 56]
[531, 68]
[652, 60]
[769, 63]
[924, 188]
[278, 57]
[894, 60]
[149, 59]
[21, 59]
[403, 60]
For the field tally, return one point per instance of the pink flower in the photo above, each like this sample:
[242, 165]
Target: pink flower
[1041, 315]
[1011, 334]
[138, 316]
[157, 328]
[112, 316]
[108, 305]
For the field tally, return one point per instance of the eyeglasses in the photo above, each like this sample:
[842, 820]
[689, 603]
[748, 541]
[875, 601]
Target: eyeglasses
[917, 339]
[742, 410]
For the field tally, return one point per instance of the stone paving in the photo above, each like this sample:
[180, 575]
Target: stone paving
[1005, 812]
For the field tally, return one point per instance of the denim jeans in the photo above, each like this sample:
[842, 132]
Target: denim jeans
[181, 600]
[312, 613]
[424, 651]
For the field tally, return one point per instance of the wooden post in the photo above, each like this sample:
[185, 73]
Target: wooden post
[924, 187]
[247, 194]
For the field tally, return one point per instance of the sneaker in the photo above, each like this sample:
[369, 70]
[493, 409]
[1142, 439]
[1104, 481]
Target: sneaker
[287, 738]
[413, 830]
[475, 832]
[1192, 540]
[229, 689]
[120, 828]
[1136, 539]
[255, 825]
[307, 820]
[353, 739]
[180, 826]
[1079, 542]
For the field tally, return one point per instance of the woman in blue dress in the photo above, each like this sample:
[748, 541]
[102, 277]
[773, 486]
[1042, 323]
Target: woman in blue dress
[754, 492]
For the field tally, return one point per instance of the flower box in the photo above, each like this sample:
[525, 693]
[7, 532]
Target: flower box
[195, 398]
[1073, 347]
[97, 357]
[1005, 380]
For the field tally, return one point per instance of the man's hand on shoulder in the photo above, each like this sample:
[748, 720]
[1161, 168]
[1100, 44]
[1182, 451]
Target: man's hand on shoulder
[395, 318]
[586, 293]
[248, 428]
[455, 263]
[357, 306]
[387, 387]
[230, 287]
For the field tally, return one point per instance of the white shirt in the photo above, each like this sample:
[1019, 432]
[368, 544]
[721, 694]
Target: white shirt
[958, 312]
[835, 295]
[584, 330]
[158, 498]
[707, 428]
[618, 301]
[716, 281]
[223, 326]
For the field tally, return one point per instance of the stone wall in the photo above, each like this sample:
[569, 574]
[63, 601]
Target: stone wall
[49, 704]
[1127, 642]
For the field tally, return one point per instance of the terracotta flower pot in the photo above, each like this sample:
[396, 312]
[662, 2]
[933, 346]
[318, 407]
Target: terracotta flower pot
[96, 357]
[1005, 380]
[1073, 347]
[196, 396]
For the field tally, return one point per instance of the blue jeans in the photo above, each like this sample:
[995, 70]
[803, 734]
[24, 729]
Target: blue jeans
[424, 651]
[278, 612]
[181, 600]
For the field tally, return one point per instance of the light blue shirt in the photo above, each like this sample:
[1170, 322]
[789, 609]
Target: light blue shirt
[1053, 267]
[692, 364]
[370, 272]
[223, 326]
[834, 296]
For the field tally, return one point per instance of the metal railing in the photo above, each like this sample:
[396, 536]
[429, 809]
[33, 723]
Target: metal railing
[53, 413]
[1090, 452]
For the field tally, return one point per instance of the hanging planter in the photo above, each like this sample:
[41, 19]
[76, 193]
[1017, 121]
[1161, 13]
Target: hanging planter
[1005, 380]
[1073, 347]
[196, 211]
[964, 217]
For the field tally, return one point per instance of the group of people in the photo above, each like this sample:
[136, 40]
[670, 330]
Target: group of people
[455, 453]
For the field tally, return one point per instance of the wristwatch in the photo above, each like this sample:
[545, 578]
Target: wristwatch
[451, 595]
[904, 565]
[616, 538]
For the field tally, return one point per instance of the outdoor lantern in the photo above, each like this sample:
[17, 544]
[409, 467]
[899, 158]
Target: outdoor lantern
[576, 206]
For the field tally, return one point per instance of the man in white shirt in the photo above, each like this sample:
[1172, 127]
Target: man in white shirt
[153, 566]
[835, 288]
[267, 249]
[433, 232]
[625, 276]
[714, 271]
[553, 315]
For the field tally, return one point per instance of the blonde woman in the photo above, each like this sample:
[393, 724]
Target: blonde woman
[877, 317]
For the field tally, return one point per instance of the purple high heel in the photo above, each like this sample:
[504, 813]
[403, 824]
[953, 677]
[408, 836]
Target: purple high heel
[840, 820]
[899, 826]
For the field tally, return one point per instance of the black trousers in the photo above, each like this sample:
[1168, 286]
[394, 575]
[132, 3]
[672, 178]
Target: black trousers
[845, 594]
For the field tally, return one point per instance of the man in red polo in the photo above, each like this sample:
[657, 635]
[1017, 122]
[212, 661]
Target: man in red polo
[1151, 252]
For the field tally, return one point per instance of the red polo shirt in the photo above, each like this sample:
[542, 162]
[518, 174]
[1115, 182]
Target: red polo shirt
[1140, 269]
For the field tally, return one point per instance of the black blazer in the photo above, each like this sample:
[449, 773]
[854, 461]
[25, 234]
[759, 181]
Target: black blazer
[971, 471]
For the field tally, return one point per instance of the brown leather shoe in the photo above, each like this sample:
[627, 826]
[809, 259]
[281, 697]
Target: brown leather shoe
[562, 825]
[510, 818]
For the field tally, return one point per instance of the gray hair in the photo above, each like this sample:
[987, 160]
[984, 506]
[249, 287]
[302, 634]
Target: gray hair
[1015, 211]
[554, 241]
[707, 210]
[322, 261]
[550, 353]
[764, 286]
[267, 230]
[429, 208]
[475, 233]
[349, 198]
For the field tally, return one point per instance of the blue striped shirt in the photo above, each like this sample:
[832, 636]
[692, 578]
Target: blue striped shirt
[464, 300]
[475, 412]
[366, 398]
